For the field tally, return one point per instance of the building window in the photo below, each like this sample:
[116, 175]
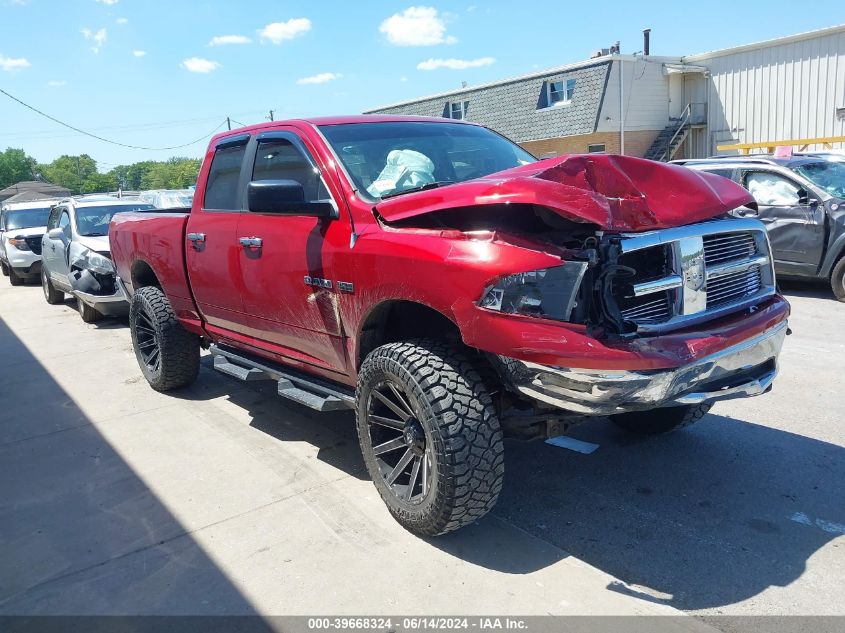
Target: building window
[458, 110]
[560, 92]
[598, 148]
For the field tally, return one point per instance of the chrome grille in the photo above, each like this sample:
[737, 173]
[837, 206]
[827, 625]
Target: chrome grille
[728, 288]
[653, 311]
[728, 247]
[694, 273]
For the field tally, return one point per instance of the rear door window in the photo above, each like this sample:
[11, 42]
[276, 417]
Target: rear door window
[221, 191]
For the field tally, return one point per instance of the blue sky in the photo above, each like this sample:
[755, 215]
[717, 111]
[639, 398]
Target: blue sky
[156, 73]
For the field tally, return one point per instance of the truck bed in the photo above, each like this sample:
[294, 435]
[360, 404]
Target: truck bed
[156, 239]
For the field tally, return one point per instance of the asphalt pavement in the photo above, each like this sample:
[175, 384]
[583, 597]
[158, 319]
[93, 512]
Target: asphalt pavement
[224, 499]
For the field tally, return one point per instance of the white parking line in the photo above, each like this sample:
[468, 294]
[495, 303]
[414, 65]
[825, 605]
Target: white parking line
[564, 441]
[827, 526]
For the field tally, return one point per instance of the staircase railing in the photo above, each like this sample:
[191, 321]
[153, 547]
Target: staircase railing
[684, 122]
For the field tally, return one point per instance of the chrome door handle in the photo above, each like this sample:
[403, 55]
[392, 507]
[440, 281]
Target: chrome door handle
[250, 242]
[197, 241]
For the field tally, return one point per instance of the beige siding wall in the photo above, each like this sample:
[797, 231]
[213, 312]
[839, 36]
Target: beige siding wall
[646, 97]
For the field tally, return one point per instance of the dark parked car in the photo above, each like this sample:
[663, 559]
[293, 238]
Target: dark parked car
[801, 200]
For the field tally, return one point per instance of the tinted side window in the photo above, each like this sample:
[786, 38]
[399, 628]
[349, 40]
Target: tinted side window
[279, 159]
[221, 192]
[53, 220]
[725, 173]
[64, 224]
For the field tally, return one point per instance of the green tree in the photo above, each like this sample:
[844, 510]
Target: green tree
[77, 173]
[15, 166]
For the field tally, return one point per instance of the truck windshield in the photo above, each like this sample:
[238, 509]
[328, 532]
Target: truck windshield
[26, 218]
[94, 221]
[389, 158]
[829, 175]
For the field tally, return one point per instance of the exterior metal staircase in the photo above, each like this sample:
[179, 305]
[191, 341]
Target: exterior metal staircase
[671, 137]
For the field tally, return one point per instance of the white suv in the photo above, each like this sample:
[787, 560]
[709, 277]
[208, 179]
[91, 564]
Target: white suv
[21, 226]
[77, 257]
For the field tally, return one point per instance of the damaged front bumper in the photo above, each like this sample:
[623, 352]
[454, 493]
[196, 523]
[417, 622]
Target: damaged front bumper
[104, 293]
[744, 370]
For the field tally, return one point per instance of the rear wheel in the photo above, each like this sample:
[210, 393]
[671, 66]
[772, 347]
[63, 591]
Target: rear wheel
[429, 435]
[14, 278]
[52, 295]
[88, 314]
[837, 279]
[659, 421]
[168, 354]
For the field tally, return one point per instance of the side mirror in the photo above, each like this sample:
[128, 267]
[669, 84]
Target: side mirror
[56, 234]
[804, 198]
[285, 197]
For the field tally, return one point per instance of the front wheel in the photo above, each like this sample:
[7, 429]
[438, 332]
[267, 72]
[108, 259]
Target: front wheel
[14, 278]
[837, 279]
[168, 354]
[429, 435]
[5, 269]
[659, 421]
[53, 296]
[88, 314]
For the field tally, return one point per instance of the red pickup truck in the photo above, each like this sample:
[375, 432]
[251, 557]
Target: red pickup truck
[452, 290]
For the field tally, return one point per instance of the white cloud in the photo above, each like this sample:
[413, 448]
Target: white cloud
[223, 40]
[13, 63]
[99, 38]
[403, 79]
[320, 78]
[278, 32]
[416, 26]
[122, 20]
[455, 64]
[55, 83]
[199, 65]
[139, 53]
[108, 2]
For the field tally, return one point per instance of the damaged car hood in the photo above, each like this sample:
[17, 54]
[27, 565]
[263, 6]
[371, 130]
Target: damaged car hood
[614, 192]
[98, 243]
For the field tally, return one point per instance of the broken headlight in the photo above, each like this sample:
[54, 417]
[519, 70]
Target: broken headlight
[549, 293]
[96, 263]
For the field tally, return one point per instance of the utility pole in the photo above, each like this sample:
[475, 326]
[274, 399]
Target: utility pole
[229, 123]
[271, 115]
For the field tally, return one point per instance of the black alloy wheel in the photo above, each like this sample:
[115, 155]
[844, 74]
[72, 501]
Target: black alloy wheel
[147, 343]
[399, 444]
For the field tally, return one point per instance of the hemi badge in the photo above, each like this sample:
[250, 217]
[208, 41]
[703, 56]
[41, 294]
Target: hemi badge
[316, 281]
[345, 286]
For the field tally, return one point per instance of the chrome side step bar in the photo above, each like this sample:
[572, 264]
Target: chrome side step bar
[307, 391]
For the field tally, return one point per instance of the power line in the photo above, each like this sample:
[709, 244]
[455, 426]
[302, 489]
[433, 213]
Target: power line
[127, 128]
[106, 140]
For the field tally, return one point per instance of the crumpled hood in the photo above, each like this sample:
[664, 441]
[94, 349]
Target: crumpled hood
[619, 193]
[98, 243]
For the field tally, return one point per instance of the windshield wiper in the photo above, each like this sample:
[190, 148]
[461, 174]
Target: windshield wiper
[94, 234]
[425, 187]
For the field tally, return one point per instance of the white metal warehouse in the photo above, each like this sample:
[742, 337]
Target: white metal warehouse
[790, 88]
